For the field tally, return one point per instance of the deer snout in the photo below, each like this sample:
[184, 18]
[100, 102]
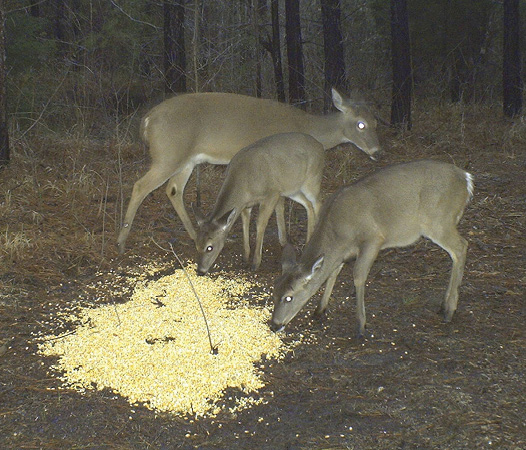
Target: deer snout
[276, 327]
[200, 271]
[376, 153]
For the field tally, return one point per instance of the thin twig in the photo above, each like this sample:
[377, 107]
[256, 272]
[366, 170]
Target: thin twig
[116, 312]
[56, 338]
[133, 19]
[213, 349]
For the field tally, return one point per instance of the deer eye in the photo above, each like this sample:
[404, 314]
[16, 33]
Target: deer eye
[209, 248]
[361, 125]
[288, 298]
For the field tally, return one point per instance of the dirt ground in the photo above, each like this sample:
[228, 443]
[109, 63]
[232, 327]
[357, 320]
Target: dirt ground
[414, 383]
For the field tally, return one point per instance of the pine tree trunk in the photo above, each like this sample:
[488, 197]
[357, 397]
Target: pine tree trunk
[401, 59]
[4, 130]
[34, 10]
[259, 9]
[335, 75]
[511, 71]
[59, 20]
[174, 47]
[275, 51]
[295, 53]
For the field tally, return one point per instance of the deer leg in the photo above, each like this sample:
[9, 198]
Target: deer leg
[311, 218]
[311, 193]
[265, 211]
[364, 261]
[154, 178]
[329, 286]
[280, 219]
[245, 218]
[303, 200]
[457, 248]
[175, 191]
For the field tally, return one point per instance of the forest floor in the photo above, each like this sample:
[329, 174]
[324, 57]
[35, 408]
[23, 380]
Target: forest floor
[414, 383]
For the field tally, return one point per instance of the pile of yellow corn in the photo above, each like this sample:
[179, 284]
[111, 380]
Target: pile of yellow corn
[154, 349]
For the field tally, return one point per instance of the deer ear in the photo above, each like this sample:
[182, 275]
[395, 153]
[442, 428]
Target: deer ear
[318, 264]
[337, 100]
[288, 258]
[227, 219]
[199, 216]
[342, 104]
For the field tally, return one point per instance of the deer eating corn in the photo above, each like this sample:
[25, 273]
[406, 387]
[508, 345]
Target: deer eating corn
[154, 349]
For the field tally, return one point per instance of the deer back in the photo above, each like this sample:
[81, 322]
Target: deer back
[280, 164]
[212, 127]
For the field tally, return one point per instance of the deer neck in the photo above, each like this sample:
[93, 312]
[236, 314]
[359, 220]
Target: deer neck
[327, 129]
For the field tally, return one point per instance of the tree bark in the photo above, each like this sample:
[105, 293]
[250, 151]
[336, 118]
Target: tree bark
[273, 45]
[34, 10]
[174, 47]
[59, 18]
[401, 60]
[59, 24]
[333, 50]
[511, 70]
[4, 130]
[295, 53]
[259, 9]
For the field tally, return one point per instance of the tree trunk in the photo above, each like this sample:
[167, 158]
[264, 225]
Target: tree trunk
[4, 130]
[295, 53]
[34, 10]
[401, 60]
[195, 64]
[335, 75]
[195, 44]
[259, 9]
[59, 20]
[458, 86]
[274, 47]
[174, 47]
[511, 71]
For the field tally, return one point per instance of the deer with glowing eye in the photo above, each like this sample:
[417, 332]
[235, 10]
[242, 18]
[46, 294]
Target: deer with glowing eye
[393, 207]
[264, 173]
[212, 127]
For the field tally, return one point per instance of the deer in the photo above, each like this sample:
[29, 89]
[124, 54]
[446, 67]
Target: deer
[392, 207]
[264, 173]
[190, 129]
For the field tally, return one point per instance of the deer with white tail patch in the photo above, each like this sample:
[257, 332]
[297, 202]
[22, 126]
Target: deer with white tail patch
[212, 127]
[392, 207]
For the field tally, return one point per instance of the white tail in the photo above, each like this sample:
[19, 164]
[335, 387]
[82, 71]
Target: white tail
[393, 207]
[212, 127]
[283, 165]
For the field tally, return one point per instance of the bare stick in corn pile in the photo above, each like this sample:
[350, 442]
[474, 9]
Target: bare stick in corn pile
[213, 348]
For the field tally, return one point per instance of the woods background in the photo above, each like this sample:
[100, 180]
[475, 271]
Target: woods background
[88, 67]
